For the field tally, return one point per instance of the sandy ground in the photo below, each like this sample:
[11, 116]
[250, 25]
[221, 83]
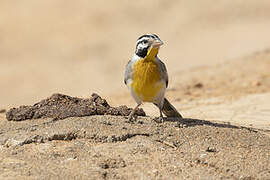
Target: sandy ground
[217, 55]
[108, 147]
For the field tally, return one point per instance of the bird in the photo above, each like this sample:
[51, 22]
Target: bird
[147, 79]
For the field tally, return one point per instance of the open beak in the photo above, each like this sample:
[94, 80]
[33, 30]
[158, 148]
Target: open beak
[156, 43]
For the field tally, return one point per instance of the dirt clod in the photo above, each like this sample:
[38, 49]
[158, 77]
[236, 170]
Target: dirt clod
[112, 163]
[2, 110]
[60, 106]
[198, 85]
[211, 149]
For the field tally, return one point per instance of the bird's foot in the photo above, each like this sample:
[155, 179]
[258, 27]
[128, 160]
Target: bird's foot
[132, 118]
[159, 119]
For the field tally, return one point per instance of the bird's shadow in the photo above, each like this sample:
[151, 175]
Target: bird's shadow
[190, 122]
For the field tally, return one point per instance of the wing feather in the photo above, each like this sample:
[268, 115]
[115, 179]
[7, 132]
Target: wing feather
[163, 71]
[128, 72]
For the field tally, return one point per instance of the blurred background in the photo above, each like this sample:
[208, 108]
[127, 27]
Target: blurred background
[80, 47]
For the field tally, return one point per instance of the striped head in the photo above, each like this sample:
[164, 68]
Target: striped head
[145, 42]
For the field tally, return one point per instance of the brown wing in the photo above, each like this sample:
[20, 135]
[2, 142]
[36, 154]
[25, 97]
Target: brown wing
[163, 70]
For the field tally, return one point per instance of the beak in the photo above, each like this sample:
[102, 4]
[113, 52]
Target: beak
[156, 43]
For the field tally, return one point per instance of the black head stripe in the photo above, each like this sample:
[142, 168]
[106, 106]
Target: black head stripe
[143, 36]
[140, 41]
[155, 36]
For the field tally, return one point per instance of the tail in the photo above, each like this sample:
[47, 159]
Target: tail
[169, 110]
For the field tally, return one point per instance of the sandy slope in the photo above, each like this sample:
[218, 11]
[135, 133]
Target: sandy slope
[108, 147]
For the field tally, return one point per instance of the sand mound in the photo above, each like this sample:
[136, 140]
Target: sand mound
[60, 106]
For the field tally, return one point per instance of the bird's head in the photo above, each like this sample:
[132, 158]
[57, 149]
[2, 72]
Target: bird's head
[148, 45]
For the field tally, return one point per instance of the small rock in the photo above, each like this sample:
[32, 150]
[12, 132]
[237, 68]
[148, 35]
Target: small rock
[203, 155]
[256, 83]
[198, 85]
[12, 142]
[211, 149]
[112, 163]
[2, 110]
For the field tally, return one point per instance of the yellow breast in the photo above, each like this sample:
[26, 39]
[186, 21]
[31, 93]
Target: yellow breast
[146, 79]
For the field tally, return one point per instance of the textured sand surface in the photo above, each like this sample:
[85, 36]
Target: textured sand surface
[108, 147]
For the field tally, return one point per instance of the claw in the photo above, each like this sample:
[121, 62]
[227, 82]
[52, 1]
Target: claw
[132, 114]
[132, 118]
[159, 119]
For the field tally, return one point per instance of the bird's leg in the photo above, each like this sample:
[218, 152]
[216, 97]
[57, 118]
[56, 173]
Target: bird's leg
[159, 119]
[133, 112]
[161, 116]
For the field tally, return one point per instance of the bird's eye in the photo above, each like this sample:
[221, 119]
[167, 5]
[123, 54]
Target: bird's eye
[144, 41]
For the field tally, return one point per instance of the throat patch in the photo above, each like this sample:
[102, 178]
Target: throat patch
[142, 52]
